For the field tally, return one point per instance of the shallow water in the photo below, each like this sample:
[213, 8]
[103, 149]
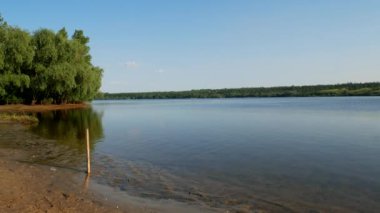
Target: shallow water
[280, 154]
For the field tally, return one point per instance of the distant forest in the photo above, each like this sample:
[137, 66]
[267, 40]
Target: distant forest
[45, 67]
[348, 89]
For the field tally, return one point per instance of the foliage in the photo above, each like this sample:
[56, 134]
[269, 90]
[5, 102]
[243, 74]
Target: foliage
[349, 89]
[46, 66]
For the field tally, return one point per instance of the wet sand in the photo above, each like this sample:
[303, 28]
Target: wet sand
[35, 188]
[32, 189]
[26, 186]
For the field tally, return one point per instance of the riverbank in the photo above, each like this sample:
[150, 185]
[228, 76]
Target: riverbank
[36, 188]
[17, 117]
[28, 184]
[23, 191]
[28, 187]
[17, 108]
[347, 89]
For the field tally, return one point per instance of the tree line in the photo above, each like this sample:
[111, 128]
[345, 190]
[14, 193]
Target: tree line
[348, 89]
[46, 67]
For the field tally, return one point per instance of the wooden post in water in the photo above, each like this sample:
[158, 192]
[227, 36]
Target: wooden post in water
[88, 151]
[86, 182]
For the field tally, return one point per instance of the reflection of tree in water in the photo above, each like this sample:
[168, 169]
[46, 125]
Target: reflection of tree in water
[68, 127]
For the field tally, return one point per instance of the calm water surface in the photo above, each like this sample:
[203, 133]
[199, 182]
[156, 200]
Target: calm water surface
[281, 154]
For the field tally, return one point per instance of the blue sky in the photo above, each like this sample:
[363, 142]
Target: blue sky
[180, 45]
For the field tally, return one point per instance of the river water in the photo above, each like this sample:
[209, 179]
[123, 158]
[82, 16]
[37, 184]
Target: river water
[279, 154]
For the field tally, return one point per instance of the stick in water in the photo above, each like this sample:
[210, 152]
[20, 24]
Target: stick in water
[88, 152]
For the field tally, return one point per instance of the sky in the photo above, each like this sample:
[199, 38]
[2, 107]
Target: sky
[172, 45]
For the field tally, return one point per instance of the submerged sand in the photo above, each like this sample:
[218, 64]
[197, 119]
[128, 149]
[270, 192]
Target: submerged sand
[26, 186]
[35, 188]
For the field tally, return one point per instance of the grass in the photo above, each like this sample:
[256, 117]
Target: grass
[19, 118]
[20, 108]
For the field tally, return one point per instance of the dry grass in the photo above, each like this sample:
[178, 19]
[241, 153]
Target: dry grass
[19, 118]
[14, 108]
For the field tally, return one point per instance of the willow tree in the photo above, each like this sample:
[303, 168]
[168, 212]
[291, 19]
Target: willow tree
[88, 77]
[16, 56]
[46, 66]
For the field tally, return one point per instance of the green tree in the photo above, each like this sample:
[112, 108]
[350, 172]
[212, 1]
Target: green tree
[16, 56]
[46, 66]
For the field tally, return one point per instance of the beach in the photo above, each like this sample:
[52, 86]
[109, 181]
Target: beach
[36, 188]
[29, 185]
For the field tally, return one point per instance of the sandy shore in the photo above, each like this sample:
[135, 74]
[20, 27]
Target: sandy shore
[31, 187]
[35, 188]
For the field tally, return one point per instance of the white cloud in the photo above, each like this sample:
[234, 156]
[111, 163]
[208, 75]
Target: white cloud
[131, 64]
